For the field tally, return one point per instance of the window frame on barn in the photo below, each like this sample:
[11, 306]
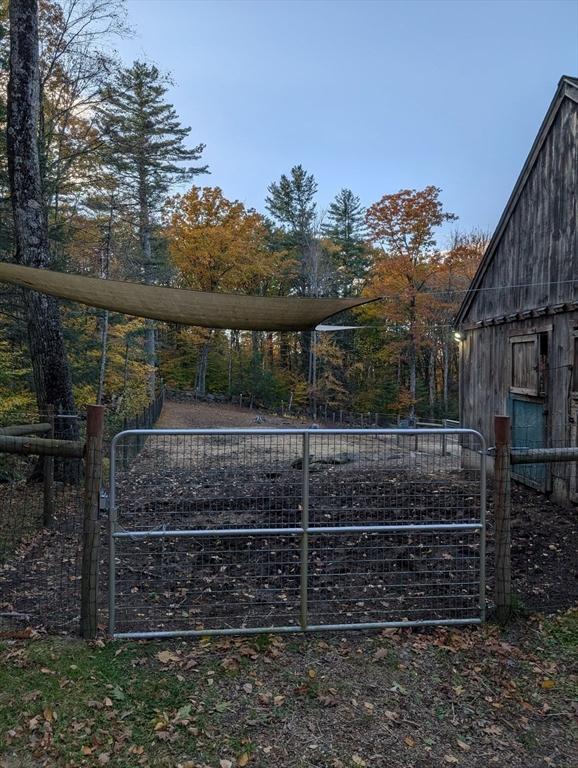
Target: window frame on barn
[533, 379]
[525, 381]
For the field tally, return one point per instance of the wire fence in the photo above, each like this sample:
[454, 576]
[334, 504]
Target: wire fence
[144, 419]
[39, 543]
[535, 505]
[324, 413]
[42, 531]
[225, 482]
[294, 529]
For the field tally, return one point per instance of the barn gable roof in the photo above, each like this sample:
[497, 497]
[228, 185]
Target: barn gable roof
[567, 89]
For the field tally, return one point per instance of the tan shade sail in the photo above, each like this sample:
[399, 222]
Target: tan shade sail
[176, 305]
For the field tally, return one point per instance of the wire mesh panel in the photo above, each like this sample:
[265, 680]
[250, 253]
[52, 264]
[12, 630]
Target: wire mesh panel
[39, 542]
[216, 531]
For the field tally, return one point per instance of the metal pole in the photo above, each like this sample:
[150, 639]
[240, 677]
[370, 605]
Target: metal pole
[305, 533]
[112, 523]
[483, 503]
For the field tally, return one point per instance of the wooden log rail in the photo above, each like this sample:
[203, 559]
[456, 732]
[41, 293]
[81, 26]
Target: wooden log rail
[39, 446]
[26, 429]
[542, 455]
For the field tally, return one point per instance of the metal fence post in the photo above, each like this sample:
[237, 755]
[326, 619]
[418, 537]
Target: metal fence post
[502, 483]
[112, 523]
[305, 533]
[483, 524]
[90, 533]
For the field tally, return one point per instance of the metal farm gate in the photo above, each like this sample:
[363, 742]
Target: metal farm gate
[232, 531]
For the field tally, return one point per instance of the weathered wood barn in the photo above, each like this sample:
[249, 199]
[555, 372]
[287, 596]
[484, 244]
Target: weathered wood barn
[519, 320]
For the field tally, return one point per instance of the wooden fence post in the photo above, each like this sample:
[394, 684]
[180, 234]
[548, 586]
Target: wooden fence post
[48, 475]
[91, 532]
[502, 484]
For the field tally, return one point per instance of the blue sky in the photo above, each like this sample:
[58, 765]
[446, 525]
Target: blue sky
[374, 96]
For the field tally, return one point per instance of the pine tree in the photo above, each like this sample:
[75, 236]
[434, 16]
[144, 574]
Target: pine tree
[291, 202]
[345, 227]
[146, 148]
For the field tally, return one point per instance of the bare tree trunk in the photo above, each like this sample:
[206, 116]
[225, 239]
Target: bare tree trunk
[201, 375]
[412, 359]
[151, 356]
[312, 376]
[431, 380]
[284, 352]
[103, 355]
[230, 367]
[125, 372]
[446, 373]
[104, 270]
[269, 356]
[51, 371]
[146, 248]
[412, 362]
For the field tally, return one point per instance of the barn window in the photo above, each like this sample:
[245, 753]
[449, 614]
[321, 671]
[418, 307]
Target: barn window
[525, 372]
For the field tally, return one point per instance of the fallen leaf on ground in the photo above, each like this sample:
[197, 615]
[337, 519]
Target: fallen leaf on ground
[166, 656]
[464, 746]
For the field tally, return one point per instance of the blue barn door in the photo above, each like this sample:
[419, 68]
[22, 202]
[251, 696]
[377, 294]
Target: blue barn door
[529, 431]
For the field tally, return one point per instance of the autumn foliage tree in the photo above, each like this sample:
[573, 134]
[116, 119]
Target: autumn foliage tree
[216, 244]
[104, 148]
[401, 227]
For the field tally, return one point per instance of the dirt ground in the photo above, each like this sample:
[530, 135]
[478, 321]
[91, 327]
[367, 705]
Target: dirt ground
[199, 482]
[471, 696]
[41, 580]
[197, 415]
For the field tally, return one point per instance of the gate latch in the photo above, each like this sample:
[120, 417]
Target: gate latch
[104, 504]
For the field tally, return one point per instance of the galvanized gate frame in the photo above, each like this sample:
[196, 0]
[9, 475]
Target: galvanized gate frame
[304, 531]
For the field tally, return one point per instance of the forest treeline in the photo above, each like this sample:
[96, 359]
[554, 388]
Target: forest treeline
[124, 193]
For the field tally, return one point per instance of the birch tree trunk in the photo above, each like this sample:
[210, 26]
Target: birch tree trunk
[51, 371]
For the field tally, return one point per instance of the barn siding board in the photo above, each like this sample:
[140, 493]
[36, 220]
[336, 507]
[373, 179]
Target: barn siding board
[535, 251]
[538, 245]
[485, 382]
